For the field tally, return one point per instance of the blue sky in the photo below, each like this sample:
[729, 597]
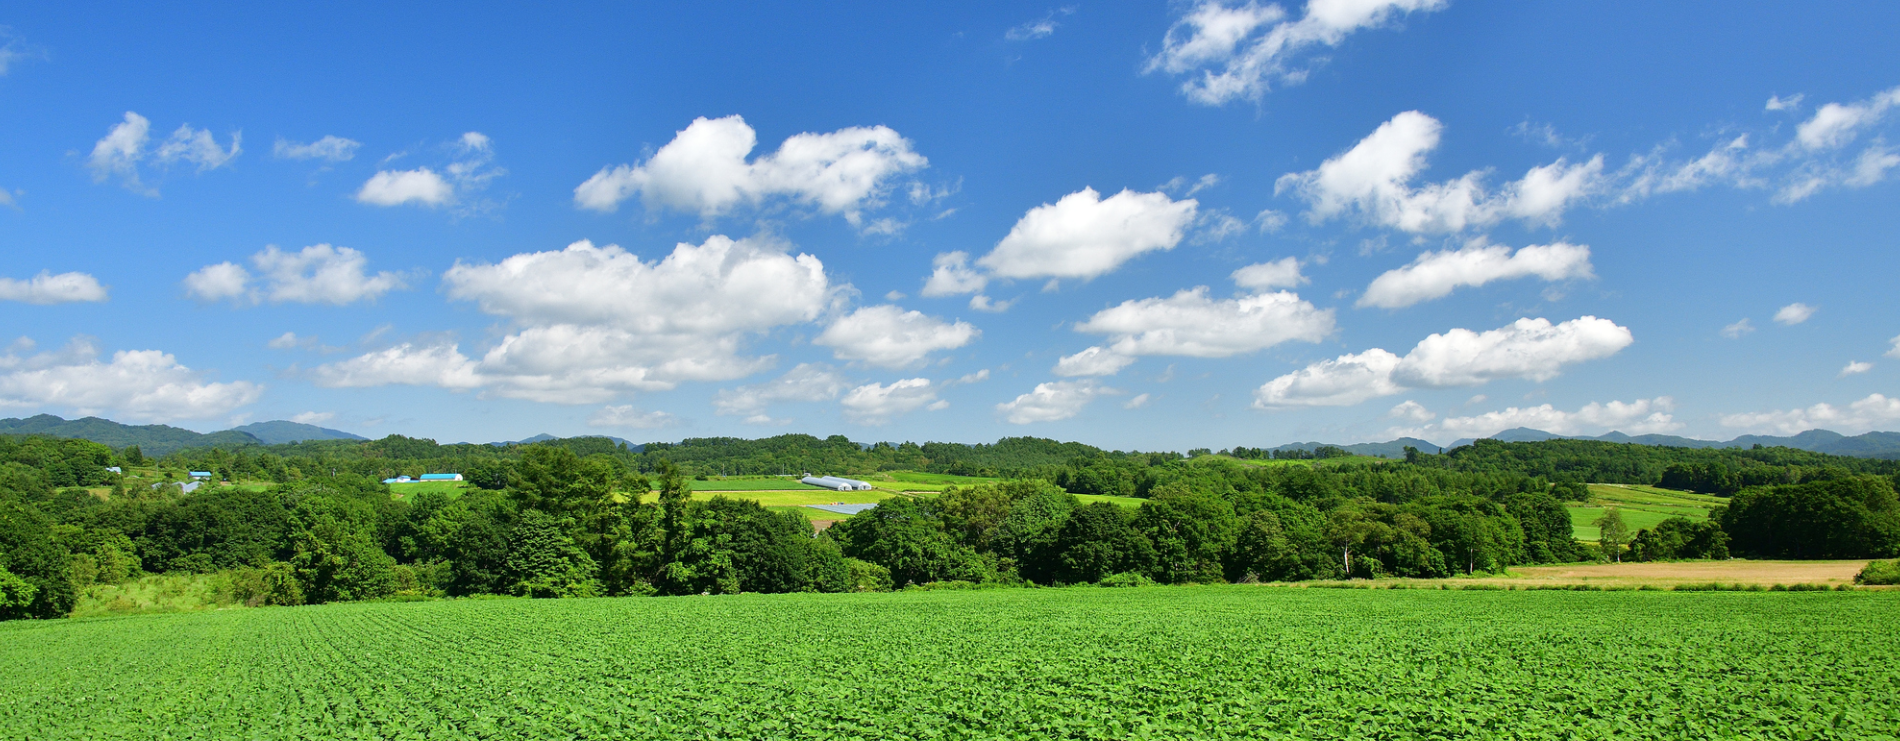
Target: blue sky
[1155, 226]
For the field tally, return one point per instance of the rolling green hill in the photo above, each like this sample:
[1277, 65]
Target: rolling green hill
[151, 439]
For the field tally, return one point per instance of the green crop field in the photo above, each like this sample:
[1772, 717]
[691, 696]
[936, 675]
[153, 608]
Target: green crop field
[1176, 662]
[800, 498]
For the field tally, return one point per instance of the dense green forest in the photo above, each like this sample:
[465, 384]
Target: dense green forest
[579, 516]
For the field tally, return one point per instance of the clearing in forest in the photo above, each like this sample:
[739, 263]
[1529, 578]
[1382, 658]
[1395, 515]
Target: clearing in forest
[1642, 507]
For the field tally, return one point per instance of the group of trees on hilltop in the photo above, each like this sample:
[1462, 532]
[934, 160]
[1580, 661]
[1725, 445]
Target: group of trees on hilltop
[1209, 521]
[1721, 471]
[784, 454]
[564, 526]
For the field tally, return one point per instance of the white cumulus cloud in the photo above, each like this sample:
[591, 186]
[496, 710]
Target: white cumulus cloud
[1266, 276]
[329, 148]
[1861, 416]
[593, 323]
[141, 385]
[1436, 274]
[1411, 411]
[1343, 381]
[1778, 103]
[396, 187]
[1084, 235]
[313, 418]
[1190, 323]
[1039, 28]
[890, 337]
[1739, 329]
[1528, 348]
[1837, 124]
[1095, 361]
[951, 275]
[807, 382]
[704, 171]
[119, 151]
[318, 274]
[1819, 156]
[625, 416]
[1856, 367]
[877, 404]
[197, 147]
[1233, 51]
[1533, 349]
[1055, 400]
[441, 365]
[1794, 313]
[468, 170]
[1375, 178]
[216, 282]
[46, 289]
[1639, 417]
[123, 147]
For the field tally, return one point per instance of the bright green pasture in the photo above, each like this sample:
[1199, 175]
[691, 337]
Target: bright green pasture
[931, 482]
[1637, 495]
[406, 491]
[809, 513]
[1642, 507]
[1083, 663]
[1130, 502]
[1583, 521]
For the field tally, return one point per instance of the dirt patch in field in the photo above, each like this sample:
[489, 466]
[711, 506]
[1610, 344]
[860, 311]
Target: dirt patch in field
[1691, 572]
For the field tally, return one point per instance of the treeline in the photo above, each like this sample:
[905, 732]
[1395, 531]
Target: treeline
[564, 526]
[576, 518]
[396, 455]
[1722, 471]
[560, 524]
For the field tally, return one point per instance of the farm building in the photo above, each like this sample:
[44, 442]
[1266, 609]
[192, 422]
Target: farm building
[114, 469]
[204, 475]
[399, 480]
[836, 484]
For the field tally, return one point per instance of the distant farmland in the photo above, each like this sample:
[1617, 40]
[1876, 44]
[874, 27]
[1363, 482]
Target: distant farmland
[1642, 507]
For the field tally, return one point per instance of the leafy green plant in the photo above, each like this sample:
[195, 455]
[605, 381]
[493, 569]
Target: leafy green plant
[1879, 573]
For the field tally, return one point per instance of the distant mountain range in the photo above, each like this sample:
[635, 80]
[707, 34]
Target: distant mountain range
[1392, 449]
[163, 439]
[1868, 445]
[280, 431]
[544, 437]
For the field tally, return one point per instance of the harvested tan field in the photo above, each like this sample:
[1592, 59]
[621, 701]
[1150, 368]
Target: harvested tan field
[1736, 571]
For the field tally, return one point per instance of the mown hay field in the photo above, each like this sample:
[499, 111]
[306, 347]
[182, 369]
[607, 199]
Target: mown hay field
[1173, 662]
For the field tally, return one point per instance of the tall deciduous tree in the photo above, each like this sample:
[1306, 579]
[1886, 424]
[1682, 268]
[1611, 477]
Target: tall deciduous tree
[1612, 533]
